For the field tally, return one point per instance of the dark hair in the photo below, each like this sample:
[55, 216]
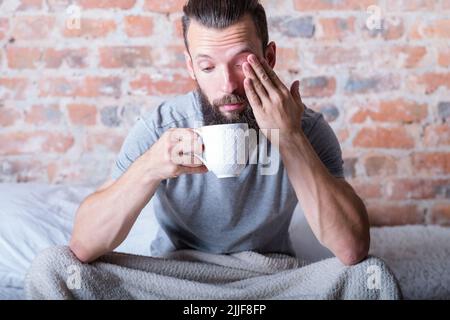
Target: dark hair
[221, 14]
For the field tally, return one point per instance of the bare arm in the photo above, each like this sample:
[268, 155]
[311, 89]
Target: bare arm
[105, 217]
[334, 211]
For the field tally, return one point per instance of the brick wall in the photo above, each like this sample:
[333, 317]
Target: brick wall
[71, 89]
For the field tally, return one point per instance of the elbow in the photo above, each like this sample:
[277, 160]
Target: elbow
[80, 251]
[353, 257]
[355, 253]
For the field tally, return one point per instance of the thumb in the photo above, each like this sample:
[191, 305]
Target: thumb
[295, 91]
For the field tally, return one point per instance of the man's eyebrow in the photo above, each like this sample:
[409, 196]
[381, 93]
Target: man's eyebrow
[243, 50]
[202, 56]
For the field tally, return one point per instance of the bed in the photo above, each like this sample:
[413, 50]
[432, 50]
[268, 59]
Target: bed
[36, 216]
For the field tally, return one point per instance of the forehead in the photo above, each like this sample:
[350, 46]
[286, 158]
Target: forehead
[222, 43]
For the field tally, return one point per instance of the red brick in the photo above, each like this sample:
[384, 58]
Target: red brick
[82, 114]
[18, 143]
[43, 115]
[91, 28]
[4, 27]
[31, 58]
[329, 111]
[410, 56]
[444, 57]
[26, 5]
[389, 138]
[378, 83]
[440, 214]
[437, 28]
[411, 5]
[23, 58]
[34, 27]
[178, 29]
[343, 135]
[390, 30]
[431, 163]
[104, 141]
[287, 58]
[106, 4]
[169, 57]
[428, 83]
[139, 26]
[317, 87]
[125, 57]
[84, 87]
[437, 135]
[367, 190]
[332, 56]
[168, 6]
[308, 5]
[382, 214]
[380, 165]
[419, 189]
[9, 115]
[445, 4]
[393, 111]
[405, 56]
[13, 88]
[72, 58]
[336, 28]
[148, 86]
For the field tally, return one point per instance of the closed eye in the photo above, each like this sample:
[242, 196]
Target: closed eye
[207, 70]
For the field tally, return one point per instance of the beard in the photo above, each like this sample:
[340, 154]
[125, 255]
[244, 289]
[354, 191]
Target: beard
[213, 116]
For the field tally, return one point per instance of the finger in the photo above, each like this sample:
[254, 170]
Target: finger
[182, 134]
[257, 85]
[193, 170]
[272, 75]
[183, 154]
[252, 96]
[295, 92]
[188, 139]
[261, 73]
[188, 160]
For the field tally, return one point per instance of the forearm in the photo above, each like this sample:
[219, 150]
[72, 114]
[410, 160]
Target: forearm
[105, 218]
[334, 211]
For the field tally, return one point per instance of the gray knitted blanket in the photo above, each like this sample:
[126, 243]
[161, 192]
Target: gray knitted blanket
[188, 274]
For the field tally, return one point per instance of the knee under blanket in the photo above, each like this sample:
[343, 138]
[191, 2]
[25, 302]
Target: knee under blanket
[189, 274]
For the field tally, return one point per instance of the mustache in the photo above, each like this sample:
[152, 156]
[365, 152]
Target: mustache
[229, 99]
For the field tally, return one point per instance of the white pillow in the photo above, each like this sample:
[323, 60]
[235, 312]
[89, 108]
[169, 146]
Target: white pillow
[36, 216]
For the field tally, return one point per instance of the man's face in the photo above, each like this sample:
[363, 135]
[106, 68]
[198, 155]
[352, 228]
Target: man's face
[215, 62]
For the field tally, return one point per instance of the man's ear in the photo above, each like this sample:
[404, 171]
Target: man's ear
[271, 54]
[189, 64]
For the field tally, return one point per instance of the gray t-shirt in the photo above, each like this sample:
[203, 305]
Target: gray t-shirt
[202, 212]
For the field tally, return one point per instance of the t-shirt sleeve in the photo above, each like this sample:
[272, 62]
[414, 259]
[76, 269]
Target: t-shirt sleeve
[141, 137]
[325, 143]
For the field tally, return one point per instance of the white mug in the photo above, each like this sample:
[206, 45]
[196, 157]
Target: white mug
[225, 151]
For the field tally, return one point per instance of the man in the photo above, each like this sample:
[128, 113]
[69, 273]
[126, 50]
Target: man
[229, 56]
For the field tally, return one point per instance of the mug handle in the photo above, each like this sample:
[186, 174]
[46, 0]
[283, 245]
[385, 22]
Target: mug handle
[199, 132]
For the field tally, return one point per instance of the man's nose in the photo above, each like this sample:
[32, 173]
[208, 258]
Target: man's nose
[230, 81]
